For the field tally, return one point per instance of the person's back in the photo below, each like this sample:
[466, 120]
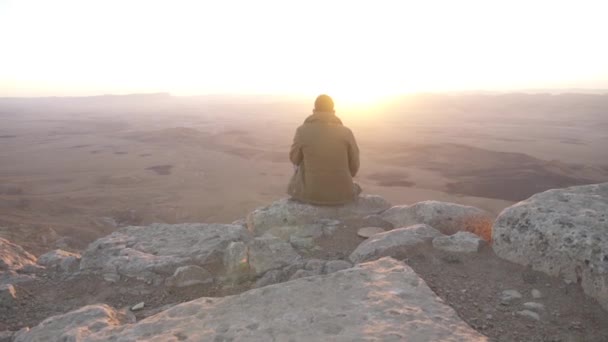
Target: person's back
[326, 157]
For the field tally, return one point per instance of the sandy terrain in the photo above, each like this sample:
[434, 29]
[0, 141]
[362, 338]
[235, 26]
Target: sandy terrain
[78, 167]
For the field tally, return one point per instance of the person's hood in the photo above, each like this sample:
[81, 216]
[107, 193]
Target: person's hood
[323, 117]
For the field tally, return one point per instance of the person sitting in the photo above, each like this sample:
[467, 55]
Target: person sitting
[325, 157]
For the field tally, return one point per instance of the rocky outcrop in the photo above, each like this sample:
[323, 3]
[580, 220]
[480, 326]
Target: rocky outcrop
[77, 325]
[267, 253]
[383, 300]
[153, 253]
[562, 232]
[461, 242]
[60, 260]
[396, 243]
[290, 213]
[14, 257]
[448, 218]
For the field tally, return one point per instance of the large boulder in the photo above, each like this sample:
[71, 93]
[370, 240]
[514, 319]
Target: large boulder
[60, 260]
[74, 326]
[448, 218]
[290, 213]
[267, 253]
[561, 232]
[152, 253]
[397, 243]
[383, 300]
[14, 257]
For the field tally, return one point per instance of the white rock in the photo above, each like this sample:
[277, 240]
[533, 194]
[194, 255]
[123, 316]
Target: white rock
[14, 257]
[448, 218]
[75, 325]
[287, 212]
[60, 260]
[562, 232]
[369, 231]
[534, 306]
[529, 314]
[461, 242]
[189, 275]
[236, 262]
[395, 243]
[536, 294]
[153, 253]
[509, 295]
[138, 306]
[268, 252]
[8, 296]
[383, 300]
[336, 265]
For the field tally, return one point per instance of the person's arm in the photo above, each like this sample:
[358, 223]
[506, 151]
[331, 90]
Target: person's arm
[295, 154]
[353, 154]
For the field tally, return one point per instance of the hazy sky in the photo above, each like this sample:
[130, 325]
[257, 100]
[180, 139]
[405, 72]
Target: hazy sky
[356, 49]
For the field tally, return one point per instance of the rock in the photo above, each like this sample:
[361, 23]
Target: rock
[77, 325]
[236, 261]
[268, 252]
[376, 221]
[188, 276]
[336, 265]
[302, 243]
[65, 242]
[303, 273]
[448, 218]
[12, 277]
[138, 306]
[369, 231]
[287, 212]
[536, 294]
[561, 232]
[383, 300]
[14, 257]
[153, 253]
[60, 260]
[534, 306]
[396, 243]
[509, 295]
[315, 265]
[271, 277]
[6, 336]
[461, 242]
[8, 296]
[529, 314]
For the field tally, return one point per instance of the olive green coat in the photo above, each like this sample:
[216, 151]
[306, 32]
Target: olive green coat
[326, 156]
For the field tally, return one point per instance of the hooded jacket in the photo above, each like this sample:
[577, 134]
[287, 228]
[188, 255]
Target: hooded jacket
[327, 158]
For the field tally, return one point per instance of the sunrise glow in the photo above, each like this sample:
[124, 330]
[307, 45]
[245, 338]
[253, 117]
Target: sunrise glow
[361, 51]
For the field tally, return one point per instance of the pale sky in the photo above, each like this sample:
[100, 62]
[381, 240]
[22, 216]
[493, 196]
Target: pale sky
[355, 49]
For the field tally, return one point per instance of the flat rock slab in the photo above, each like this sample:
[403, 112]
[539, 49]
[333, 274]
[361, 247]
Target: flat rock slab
[369, 231]
[561, 232]
[152, 253]
[383, 300]
[448, 218]
[13, 256]
[396, 243]
[73, 326]
[461, 242]
[287, 212]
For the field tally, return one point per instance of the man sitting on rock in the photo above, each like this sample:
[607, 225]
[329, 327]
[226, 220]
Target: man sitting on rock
[326, 158]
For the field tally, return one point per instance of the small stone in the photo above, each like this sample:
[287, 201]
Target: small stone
[509, 295]
[8, 295]
[489, 316]
[137, 306]
[369, 231]
[529, 314]
[536, 294]
[302, 243]
[534, 306]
